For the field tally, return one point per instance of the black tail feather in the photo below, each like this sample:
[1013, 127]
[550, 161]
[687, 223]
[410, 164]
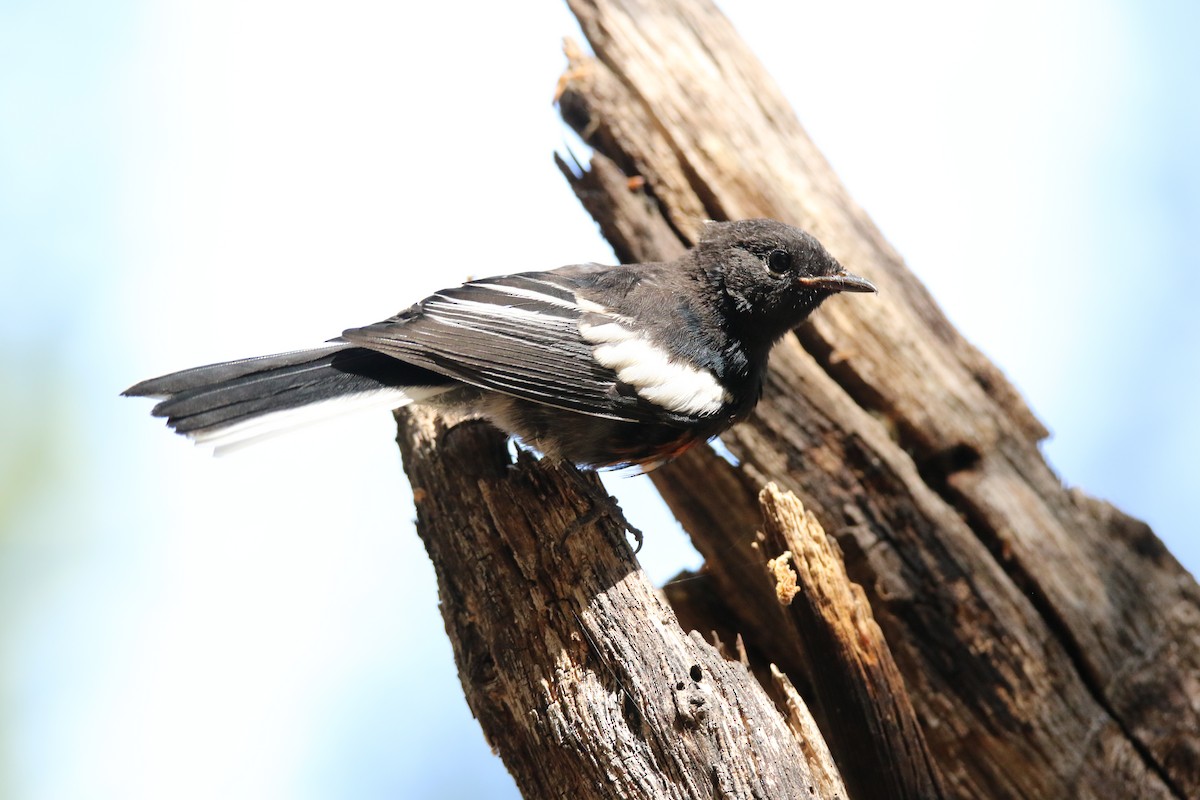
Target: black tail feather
[216, 396]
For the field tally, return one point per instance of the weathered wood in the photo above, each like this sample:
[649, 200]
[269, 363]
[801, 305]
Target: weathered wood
[873, 728]
[1050, 644]
[574, 666]
[825, 632]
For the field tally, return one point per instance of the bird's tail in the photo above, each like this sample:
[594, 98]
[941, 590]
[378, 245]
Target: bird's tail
[236, 402]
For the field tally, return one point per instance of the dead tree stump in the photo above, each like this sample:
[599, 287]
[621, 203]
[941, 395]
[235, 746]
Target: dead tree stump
[992, 634]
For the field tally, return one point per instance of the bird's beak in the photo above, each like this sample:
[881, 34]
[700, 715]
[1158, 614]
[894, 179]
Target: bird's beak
[845, 282]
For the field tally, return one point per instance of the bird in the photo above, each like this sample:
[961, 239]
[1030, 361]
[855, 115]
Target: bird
[606, 367]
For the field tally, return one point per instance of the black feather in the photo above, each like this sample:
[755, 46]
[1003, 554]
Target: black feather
[526, 344]
[218, 395]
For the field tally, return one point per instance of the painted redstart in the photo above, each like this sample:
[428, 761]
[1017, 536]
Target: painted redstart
[601, 366]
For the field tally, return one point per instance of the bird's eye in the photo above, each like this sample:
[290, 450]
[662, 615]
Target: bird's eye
[779, 261]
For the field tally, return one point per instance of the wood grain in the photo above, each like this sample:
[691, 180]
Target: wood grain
[573, 664]
[1050, 644]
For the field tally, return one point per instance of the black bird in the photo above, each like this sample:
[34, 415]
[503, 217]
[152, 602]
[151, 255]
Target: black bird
[601, 366]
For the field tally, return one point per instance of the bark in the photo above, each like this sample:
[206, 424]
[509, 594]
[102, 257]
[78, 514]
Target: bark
[577, 670]
[989, 633]
[873, 729]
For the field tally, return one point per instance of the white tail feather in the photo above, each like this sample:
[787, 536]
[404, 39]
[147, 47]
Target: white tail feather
[233, 437]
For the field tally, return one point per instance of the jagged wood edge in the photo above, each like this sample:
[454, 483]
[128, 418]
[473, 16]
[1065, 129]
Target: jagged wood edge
[1066, 557]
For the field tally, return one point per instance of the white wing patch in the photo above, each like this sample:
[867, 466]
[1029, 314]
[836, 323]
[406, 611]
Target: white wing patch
[652, 373]
[587, 305]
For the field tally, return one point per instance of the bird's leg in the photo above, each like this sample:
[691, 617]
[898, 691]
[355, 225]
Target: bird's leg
[603, 504]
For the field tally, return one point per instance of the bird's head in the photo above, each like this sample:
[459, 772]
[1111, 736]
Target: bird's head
[774, 274]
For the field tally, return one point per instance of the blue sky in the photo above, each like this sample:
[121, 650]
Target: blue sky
[183, 182]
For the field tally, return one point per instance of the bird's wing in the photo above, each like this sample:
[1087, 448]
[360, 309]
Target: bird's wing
[529, 335]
